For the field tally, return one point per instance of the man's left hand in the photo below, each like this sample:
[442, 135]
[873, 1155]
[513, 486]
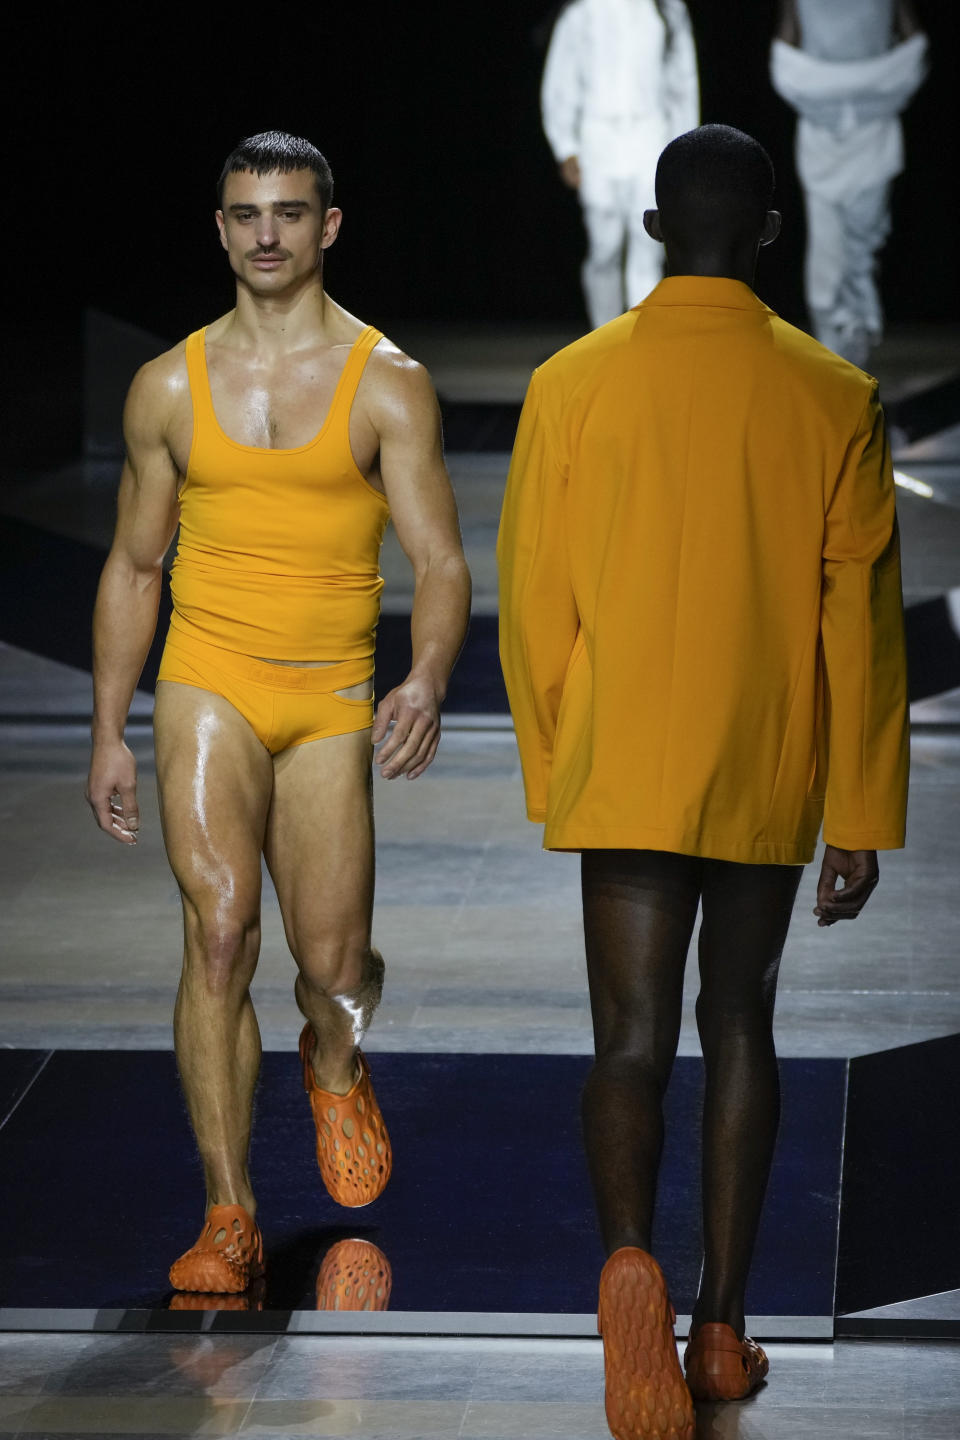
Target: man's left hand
[413, 708]
[860, 873]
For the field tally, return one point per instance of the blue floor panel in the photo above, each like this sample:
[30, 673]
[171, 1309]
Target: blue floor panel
[489, 1208]
[18, 1070]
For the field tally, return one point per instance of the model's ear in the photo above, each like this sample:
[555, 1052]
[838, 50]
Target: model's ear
[223, 230]
[331, 226]
[771, 227]
[651, 223]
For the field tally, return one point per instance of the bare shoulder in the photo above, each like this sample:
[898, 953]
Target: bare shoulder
[156, 392]
[399, 392]
[398, 372]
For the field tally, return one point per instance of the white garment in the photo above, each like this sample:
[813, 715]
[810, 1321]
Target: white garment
[849, 146]
[845, 29]
[843, 237]
[849, 135]
[614, 95]
[615, 234]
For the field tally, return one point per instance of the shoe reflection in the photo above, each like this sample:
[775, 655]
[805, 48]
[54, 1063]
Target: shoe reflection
[355, 1275]
[250, 1299]
[721, 1422]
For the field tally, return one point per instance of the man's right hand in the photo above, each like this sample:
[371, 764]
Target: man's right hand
[861, 875]
[112, 791]
[570, 171]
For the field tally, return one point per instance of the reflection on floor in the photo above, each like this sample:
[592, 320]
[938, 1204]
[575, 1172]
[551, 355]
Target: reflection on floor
[260, 1386]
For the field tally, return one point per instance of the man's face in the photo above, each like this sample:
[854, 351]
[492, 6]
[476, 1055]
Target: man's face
[272, 228]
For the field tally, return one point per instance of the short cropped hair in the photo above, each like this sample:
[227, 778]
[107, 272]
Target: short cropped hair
[276, 150]
[711, 179]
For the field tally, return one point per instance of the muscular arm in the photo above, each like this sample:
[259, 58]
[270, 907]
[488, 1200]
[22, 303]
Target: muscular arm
[788, 27]
[125, 615]
[425, 518]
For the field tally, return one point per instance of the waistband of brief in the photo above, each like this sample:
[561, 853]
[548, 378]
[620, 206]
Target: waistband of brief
[315, 679]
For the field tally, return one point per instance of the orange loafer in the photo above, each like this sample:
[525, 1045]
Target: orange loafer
[353, 1147]
[646, 1395]
[227, 1256]
[721, 1367]
[355, 1275]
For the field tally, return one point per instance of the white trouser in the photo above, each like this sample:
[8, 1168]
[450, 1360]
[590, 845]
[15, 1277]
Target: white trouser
[843, 237]
[623, 264]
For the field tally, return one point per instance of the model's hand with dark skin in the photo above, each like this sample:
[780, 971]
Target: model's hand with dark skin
[860, 874]
[570, 172]
[126, 611]
[424, 515]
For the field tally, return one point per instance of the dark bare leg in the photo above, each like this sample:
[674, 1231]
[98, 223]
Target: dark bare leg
[319, 848]
[215, 781]
[746, 914]
[639, 909]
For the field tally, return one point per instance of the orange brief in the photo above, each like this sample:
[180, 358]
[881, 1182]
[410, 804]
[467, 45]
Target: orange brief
[283, 704]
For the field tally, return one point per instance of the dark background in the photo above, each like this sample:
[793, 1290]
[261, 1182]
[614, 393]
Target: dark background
[429, 116]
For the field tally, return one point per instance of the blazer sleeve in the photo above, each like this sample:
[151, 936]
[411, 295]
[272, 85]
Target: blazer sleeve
[864, 652]
[538, 614]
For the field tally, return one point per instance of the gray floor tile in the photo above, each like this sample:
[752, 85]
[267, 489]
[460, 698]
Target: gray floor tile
[409, 1371]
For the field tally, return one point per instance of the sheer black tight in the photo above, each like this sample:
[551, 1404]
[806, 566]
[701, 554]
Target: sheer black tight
[639, 910]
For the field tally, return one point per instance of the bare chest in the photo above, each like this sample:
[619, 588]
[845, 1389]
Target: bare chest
[281, 406]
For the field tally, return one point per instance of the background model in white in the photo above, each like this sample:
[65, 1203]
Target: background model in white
[848, 69]
[620, 82]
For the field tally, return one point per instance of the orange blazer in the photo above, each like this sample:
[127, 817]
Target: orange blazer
[701, 619]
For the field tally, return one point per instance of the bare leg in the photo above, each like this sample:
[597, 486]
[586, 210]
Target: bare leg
[639, 909]
[746, 914]
[215, 781]
[319, 848]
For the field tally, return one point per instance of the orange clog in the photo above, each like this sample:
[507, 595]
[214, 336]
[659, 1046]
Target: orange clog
[353, 1147]
[646, 1395]
[226, 1258]
[355, 1275]
[719, 1366]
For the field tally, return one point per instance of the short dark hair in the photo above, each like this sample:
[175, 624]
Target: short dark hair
[276, 150]
[713, 178]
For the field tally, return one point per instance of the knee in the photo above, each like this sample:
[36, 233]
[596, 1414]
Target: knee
[339, 963]
[734, 1012]
[631, 1063]
[221, 950]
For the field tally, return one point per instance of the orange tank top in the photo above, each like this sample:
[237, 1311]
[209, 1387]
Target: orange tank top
[279, 550]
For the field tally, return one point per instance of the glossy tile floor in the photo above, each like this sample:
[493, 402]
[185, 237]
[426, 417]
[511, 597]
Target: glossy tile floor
[441, 1390]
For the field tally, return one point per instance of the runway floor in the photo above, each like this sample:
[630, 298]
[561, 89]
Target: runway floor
[481, 934]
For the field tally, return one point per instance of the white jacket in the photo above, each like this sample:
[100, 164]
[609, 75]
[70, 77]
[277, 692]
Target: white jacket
[612, 94]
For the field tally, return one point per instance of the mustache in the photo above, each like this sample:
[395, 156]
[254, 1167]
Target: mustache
[267, 253]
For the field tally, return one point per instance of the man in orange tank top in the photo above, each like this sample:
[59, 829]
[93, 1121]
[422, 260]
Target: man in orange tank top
[279, 439]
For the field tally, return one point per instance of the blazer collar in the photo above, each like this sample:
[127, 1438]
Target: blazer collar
[711, 290]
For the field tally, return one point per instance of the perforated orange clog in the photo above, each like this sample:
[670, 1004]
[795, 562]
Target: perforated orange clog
[719, 1366]
[646, 1395]
[225, 1259]
[355, 1275]
[353, 1147]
